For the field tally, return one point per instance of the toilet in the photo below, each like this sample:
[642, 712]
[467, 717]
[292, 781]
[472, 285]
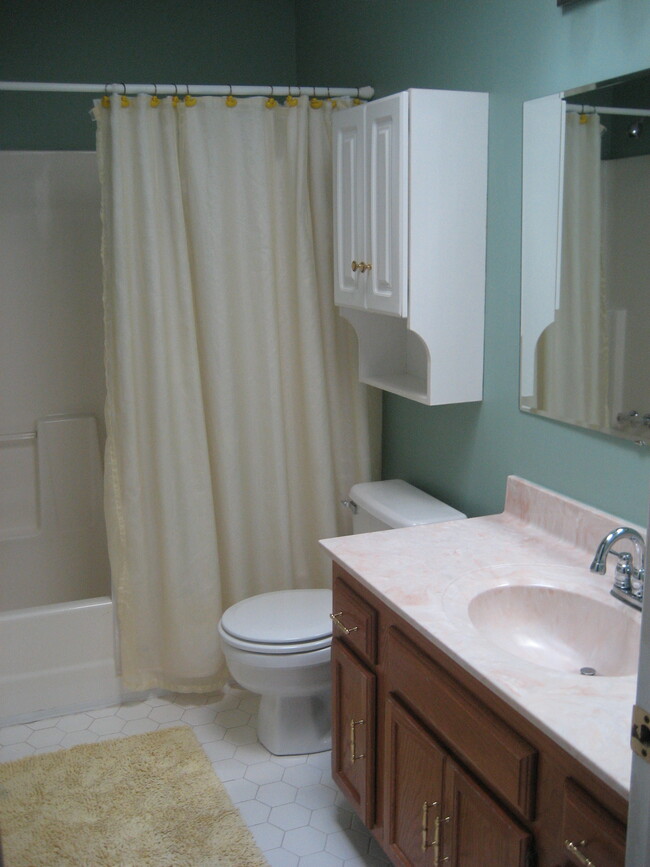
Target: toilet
[278, 644]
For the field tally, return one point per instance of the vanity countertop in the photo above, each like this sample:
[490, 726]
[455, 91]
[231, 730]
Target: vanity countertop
[412, 570]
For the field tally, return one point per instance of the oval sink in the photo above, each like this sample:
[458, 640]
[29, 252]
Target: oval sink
[558, 629]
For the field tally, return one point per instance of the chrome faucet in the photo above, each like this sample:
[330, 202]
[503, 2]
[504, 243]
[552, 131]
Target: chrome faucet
[630, 573]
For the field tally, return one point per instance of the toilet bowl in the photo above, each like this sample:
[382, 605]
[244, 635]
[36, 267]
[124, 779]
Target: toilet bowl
[278, 644]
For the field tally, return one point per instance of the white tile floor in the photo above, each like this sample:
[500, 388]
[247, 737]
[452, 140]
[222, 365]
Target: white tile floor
[297, 815]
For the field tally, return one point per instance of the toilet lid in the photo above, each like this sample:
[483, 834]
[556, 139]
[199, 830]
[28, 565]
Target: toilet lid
[285, 617]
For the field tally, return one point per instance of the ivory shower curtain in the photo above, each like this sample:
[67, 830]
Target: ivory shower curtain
[235, 423]
[572, 361]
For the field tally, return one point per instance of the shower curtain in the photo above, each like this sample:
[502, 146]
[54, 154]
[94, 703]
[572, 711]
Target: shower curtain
[572, 354]
[235, 423]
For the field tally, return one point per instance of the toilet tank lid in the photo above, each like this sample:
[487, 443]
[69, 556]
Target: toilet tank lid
[399, 504]
[281, 617]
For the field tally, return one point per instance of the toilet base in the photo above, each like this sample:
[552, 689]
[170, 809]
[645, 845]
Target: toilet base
[295, 725]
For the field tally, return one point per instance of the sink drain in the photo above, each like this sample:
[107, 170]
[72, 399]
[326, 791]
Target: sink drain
[588, 671]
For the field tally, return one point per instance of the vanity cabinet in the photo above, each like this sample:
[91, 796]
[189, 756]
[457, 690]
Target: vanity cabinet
[410, 192]
[444, 771]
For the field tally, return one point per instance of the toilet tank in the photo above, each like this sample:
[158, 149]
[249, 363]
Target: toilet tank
[394, 503]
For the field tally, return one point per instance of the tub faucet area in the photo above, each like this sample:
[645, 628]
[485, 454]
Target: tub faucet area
[630, 570]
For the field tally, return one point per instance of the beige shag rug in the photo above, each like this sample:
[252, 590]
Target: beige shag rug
[150, 799]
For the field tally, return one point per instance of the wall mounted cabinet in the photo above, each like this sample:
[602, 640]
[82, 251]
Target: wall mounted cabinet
[441, 769]
[410, 182]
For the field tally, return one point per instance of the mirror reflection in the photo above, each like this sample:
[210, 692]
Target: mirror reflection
[586, 258]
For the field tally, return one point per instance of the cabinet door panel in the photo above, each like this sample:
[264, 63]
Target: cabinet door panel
[479, 831]
[353, 730]
[413, 789]
[349, 216]
[387, 204]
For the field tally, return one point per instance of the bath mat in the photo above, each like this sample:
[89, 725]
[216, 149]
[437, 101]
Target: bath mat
[149, 799]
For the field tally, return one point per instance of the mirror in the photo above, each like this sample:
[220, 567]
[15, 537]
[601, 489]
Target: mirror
[585, 287]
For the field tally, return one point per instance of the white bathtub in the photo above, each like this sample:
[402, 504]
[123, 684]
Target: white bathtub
[57, 658]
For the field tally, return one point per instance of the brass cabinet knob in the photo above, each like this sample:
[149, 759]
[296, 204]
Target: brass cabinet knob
[354, 265]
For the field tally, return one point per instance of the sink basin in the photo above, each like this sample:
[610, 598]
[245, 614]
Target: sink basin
[559, 618]
[558, 629]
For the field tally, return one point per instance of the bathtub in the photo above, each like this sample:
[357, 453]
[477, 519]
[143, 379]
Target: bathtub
[57, 658]
[56, 645]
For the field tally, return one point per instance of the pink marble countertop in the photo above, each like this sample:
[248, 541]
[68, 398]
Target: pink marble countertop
[423, 572]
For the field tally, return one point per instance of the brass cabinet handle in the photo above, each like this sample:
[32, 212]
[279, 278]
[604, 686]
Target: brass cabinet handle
[361, 266]
[574, 849]
[425, 825]
[437, 822]
[353, 739]
[335, 618]
[354, 265]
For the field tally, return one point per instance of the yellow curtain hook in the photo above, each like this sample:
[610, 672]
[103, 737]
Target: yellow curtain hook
[175, 98]
[329, 97]
[106, 100]
[583, 116]
[189, 100]
[314, 101]
[124, 99]
[155, 99]
[291, 100]
[270, 102]
[231, 102]
[357, 99]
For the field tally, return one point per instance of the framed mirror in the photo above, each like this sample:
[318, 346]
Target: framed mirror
[585, 283]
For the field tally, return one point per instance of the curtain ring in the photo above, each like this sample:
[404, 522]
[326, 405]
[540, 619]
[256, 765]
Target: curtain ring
[230, 99]
[270, 102]
[329, 97]
[314, 101]
[106, 100]
[291, 100]
[189, 100]
[175, 99]
[124, 100]
[155, 100]
[357, 98]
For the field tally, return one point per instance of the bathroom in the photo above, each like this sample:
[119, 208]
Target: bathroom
[514, 50]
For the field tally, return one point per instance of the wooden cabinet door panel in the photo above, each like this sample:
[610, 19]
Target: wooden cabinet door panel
[476, 830]
[353, 730]
[413, 774]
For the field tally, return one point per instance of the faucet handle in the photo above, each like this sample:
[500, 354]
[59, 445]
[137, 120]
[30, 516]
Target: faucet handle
[623, 572]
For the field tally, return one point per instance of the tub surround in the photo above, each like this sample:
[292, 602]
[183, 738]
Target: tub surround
[412, 570]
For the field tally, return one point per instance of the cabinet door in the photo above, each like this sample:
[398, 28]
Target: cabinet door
[353, 730]
[413, 771]
[476, 829]
[387, 205]
[349, 207]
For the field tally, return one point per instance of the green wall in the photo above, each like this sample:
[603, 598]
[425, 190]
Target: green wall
[100, 41]
[516, 50]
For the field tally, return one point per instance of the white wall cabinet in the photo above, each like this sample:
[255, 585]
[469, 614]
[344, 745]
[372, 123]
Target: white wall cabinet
[410, 182]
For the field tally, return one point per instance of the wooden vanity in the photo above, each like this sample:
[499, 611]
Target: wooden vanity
[440, 763]
[441, 769]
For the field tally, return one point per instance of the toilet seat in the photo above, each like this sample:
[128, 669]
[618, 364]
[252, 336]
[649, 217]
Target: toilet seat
[284, 621]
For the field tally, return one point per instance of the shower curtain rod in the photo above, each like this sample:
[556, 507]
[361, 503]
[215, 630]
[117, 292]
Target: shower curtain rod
[194, 89]
[603, 109]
